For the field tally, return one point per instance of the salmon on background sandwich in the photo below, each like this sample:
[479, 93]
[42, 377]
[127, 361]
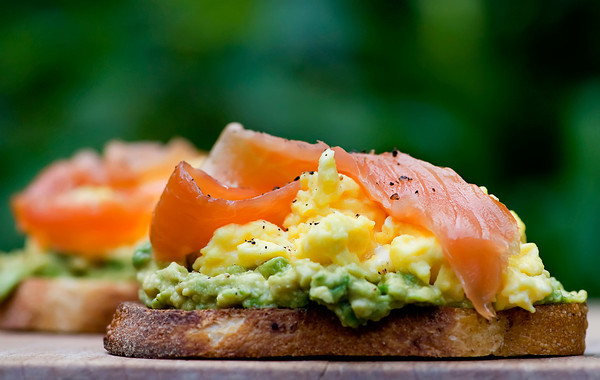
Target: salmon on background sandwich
[83, 217]
[285, 248]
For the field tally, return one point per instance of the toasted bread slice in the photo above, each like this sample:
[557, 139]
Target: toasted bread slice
[66, 305]
[137, 331]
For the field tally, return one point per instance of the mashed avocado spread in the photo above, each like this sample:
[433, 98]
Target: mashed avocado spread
[32, 261]
[338, 249]
[352, 293]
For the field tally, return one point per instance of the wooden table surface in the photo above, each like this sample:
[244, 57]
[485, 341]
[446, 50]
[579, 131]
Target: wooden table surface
[50, 356]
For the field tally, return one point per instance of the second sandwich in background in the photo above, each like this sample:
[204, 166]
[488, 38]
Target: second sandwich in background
[82, 218]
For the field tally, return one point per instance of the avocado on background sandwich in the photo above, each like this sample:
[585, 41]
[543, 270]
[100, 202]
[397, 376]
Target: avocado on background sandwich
[83, 217]
[284, 248]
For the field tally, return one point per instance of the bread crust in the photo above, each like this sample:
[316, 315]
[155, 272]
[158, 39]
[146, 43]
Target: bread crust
[137, 331]
[66, 305]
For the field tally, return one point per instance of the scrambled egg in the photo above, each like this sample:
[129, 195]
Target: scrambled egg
[332, 222]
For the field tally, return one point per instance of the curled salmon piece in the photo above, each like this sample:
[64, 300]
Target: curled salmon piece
[187, 215]
[248, 159]
[477, 233]
[89, 204]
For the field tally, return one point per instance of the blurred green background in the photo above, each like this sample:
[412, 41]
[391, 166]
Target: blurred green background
[507, 93]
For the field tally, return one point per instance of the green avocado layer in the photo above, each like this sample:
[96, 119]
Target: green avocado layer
[354, 295]
[18, 265]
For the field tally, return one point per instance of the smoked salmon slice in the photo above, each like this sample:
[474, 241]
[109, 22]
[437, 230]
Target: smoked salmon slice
[90, 204]
[248, 159]
[477, 233]
[186, 217]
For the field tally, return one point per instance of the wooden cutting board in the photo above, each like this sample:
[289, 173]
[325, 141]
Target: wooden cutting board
[50, 356]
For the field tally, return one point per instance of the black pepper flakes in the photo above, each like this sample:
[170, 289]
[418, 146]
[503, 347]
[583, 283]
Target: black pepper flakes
[391, 183]
[276, 188]
[311, 172]
[297, 178]
[433, 188]
[394, 197]
[394, 152]
[417, 192]
[405, 178]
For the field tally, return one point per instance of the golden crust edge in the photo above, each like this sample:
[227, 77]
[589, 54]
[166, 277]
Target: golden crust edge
[137, 331]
